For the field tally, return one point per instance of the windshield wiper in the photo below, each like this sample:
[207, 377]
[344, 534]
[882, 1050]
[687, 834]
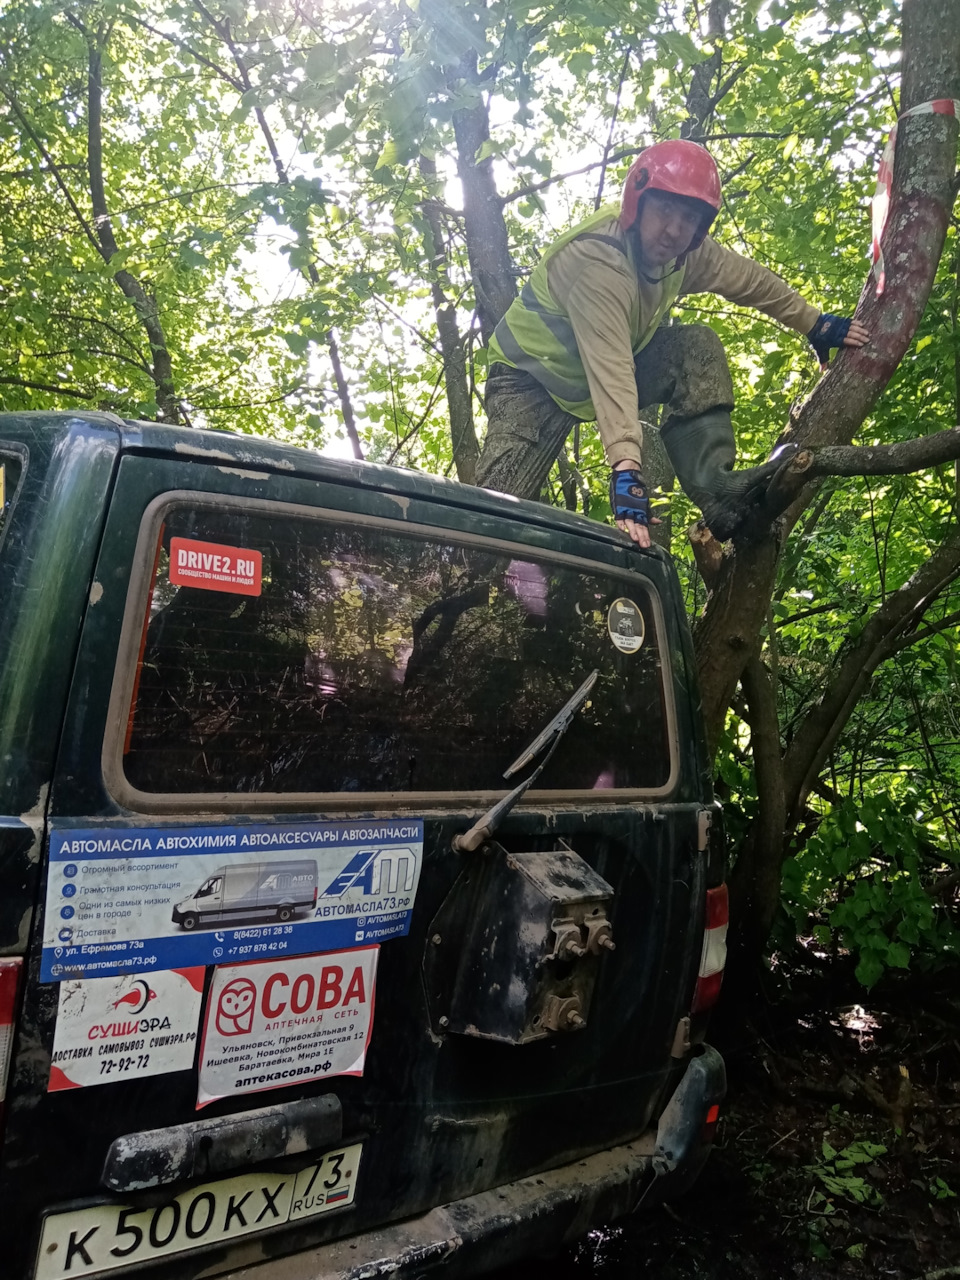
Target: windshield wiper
[550, 737]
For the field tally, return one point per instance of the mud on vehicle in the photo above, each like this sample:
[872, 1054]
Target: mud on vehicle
[435, 758]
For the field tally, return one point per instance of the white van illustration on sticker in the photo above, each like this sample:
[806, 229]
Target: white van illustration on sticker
[276, 889]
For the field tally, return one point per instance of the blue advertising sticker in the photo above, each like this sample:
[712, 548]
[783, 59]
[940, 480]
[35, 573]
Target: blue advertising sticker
[123, 900]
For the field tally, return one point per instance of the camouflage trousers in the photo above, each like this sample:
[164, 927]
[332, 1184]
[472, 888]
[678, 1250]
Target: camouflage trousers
[682, 367]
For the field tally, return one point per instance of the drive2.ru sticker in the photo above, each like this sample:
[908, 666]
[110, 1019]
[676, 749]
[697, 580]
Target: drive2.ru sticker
[215, 567]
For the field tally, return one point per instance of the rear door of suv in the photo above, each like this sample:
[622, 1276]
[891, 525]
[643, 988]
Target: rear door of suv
[286, 670]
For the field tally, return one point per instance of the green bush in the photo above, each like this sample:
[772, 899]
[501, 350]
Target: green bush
[861, 883]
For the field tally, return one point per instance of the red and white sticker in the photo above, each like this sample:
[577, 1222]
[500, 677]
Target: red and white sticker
[271, 1023]
[215, 567]
[884, 191]
[125, 1028]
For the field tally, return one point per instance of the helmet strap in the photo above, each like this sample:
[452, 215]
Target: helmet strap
[677, 266]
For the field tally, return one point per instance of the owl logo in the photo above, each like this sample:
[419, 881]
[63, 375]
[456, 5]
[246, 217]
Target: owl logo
[235, 1007]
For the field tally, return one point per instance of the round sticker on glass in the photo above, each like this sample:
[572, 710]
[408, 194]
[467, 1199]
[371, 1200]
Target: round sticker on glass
[625, 624]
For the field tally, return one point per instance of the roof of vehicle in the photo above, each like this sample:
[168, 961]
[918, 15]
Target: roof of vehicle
[259, 453]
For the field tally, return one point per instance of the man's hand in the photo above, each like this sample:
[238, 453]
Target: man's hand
[835, 331]
[630, 503]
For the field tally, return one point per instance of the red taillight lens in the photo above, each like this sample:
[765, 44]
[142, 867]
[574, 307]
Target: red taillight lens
[714, 954]
[314, 895]
[10, 971]
[710, 1124]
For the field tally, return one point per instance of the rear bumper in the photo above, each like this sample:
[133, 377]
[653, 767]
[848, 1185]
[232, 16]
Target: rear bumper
[528, 1217]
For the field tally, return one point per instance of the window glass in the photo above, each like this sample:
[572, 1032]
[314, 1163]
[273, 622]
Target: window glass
[11, 468]
[376, 661]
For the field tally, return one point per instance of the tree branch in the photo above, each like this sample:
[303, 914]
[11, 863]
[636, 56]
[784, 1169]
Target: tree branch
[248, 404]
[434, 394]
[705, 138]
[876, 642]
[186, 48]
[598, 200]
[74, 392]
[522, 192]
[130, 286]
[463, 432]
[934, 629]
[245, 85]
[117, 332]
[919, 454]
[53, 167]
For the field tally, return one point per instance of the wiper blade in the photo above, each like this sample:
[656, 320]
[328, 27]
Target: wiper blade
[550, 736]
[556, 728]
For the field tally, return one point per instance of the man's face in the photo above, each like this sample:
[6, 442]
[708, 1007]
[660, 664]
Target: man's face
[666, 227]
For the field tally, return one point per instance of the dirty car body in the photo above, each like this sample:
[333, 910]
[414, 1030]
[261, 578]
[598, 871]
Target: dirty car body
[220, 655]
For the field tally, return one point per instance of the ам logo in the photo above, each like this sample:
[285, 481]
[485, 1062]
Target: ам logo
[374, 871]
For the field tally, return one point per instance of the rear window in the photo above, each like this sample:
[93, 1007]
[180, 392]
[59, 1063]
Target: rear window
[360, 658]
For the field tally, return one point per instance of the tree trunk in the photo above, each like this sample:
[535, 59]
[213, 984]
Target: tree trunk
[700, 102]
[463, 432]
[144, 303]
[726, 634]
[755, 882]
[922, 199]
[488, 248]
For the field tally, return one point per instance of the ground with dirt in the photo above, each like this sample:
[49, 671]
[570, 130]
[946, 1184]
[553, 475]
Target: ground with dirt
[838, 1153]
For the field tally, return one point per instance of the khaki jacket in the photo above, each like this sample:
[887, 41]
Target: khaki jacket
[598, 290]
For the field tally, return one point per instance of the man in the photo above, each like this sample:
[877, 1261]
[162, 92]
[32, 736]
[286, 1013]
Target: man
[585, 341]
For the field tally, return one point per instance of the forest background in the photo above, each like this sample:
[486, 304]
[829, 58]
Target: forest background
[303, 218]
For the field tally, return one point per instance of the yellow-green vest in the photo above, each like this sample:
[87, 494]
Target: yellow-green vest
[536, 334]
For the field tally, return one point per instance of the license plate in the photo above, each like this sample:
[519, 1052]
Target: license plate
[87, 1242]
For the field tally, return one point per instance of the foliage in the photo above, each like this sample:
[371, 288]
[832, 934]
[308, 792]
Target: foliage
[865, 876]
[187, 211]
[842, 1173]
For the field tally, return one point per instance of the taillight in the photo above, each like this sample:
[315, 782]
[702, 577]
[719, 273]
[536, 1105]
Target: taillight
[314, 895]
[10, 971]
[710, 1124]
[714, 954]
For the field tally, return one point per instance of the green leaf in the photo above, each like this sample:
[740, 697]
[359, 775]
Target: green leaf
[248, 101]
[191, 257]
[334, 138]
[297, 342]
[390, 155]
[898, 956]
[869, 969]
[321, 64]
[578, 64]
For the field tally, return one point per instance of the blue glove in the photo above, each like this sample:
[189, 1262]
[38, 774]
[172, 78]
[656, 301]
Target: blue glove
[628, 497]
[827, 333]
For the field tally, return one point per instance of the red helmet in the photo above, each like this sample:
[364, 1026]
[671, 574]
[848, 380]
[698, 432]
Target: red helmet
[679, 167]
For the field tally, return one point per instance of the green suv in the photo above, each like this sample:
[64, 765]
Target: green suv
[361, 882]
